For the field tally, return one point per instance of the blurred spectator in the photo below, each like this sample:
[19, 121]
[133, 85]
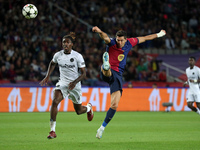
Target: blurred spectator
[33, 75]
[36, 40]
[3, 73]
[11, 51]
[142, 71]
[169, 42]
[42, 70]
[153, 76]
[191, 33]
[154, 85]
[177, 42]
[130, 85]
[91, 75]
[35, 65]
[163, 76]
[130, 73]
[193, 22]
[11, 73]
[26, 68]
[19, 69]
[184, 44]
[155, 64]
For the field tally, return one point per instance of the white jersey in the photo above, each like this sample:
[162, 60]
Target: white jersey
[193, 74]
[68, 65]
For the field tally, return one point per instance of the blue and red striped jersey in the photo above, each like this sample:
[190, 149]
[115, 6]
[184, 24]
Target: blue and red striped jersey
[118, 56]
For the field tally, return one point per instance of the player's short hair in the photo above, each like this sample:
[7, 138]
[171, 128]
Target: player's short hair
[121, 33]
[70, 36]
[192, 57]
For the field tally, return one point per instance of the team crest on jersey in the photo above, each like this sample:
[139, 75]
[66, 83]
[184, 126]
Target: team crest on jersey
[121, 57]
[72, 59]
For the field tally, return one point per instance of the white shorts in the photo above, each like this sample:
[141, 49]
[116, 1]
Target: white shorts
[193, 98]
[75, 95]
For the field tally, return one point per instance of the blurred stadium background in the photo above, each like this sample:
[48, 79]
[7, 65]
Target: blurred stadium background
[27, 46]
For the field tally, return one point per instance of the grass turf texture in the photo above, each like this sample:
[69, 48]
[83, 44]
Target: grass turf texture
[127, 131]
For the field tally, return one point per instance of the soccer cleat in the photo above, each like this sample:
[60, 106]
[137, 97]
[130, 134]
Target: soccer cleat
[99, 133]
[90, 114]
[51, 135]
[106, 64]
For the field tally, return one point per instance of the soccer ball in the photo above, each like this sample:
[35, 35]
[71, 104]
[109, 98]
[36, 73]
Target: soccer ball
[29, 11]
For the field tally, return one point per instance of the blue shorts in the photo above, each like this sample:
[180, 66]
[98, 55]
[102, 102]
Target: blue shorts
[114, 81]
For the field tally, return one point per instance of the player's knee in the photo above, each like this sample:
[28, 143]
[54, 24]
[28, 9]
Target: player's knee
[55, 102]
[189, 105]
[114, 106]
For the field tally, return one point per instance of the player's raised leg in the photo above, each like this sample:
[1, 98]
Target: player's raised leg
[105, 68]
[190, 105]
[90, 113]
[83, 109]
[106, 64]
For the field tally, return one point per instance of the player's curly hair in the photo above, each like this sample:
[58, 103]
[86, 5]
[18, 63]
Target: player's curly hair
[71, 36]
[192, 57]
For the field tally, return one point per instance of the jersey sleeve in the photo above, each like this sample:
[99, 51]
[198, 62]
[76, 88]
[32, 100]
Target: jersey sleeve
[133, 41]
[198, 73]
[186, 72]
[55, 57]
[112, 42]
[80, 61]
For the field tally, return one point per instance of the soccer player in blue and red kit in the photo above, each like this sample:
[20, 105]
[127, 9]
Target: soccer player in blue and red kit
[114, 62]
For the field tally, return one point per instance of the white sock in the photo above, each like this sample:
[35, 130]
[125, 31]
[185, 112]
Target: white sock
[198, 111]
[53, 125]
[102, 127]
[88, 108]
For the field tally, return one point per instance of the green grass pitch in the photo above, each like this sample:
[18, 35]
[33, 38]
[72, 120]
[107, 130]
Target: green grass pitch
[126, 131]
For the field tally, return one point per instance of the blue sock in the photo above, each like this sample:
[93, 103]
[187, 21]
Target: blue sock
[109, 115]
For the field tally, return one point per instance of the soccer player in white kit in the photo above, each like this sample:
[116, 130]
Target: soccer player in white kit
[69, 62]
[193, 76]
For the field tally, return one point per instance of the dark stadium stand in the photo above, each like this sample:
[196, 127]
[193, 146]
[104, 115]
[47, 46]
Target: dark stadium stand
[27, 46]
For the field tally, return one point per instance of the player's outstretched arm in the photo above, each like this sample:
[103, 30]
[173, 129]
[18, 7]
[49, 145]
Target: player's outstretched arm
[151, 36]
[102, 34]
[50, 70]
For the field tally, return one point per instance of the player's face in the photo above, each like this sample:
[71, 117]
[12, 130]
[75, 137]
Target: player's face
[67, 45]
[191, 61]
[120, 41]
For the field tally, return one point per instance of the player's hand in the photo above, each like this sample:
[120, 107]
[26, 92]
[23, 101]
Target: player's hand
[161, 33]
[44, 81]
[185, 83]
[71, 85]
[193, 81]
[96, 29]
